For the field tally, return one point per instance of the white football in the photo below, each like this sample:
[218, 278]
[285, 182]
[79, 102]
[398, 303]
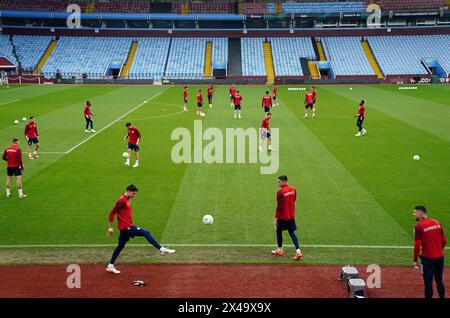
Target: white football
[416, 157]
[208, 219]
[351, 88]
[202, 114]
[125, 155]
[16, 122]
[24, 118]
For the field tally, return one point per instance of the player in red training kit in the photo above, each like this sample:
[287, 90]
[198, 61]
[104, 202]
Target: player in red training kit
[210, 95]
[429, 243]
[122, 209]
[134, 137]
[13, 157]
[232, 93]
[309, 103]
[274, 95]
[88, 117]
[266, 102]
[361, 115]
[31, 135]
[237, 104]
[285, 216]
[199, 102]
[185, 98]
[265, 132]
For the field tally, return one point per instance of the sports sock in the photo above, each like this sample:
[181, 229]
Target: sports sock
[20, 192]
[298, 251]
[8, 191]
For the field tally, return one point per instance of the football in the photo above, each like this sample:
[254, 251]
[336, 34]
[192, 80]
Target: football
[125, 155]
[16, 122]
[202, 114]
[416, 157]
[24, 119]
[208, 219]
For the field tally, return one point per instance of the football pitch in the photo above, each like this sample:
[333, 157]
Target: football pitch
[355, 195]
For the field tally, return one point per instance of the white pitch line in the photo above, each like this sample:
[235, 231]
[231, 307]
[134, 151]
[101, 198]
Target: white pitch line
[212, 245]
[112, 123]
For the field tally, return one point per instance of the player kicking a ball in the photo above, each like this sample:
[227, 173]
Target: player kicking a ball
[285, 216]
[133, 136]
[13, 157]
[237, 105]
[360, 119]
[265, 132]
[31, 135]
[122, 209]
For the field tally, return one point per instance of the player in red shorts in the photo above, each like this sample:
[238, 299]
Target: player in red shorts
[429, 244]
[185, 98]
[274, 95]
[88, 117]
[31, 135]
[309, 104]
[199, 102]
[210, 95]
[232, 93]
[134, 137]
[123, 210]
[266, 102]
[285, 216]
[265, 132]
[237, 104]
[13, 157]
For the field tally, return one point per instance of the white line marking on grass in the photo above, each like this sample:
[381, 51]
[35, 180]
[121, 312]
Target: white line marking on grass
[9, 102]
[52, 152]
[212, 245]
[112, 123]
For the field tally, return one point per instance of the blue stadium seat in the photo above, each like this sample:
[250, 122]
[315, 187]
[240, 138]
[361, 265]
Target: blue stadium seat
[287, 52]
[30, 49]
[252, 57]
[6, 49]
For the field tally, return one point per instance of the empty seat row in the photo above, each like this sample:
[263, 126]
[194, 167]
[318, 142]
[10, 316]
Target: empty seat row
[287, 53]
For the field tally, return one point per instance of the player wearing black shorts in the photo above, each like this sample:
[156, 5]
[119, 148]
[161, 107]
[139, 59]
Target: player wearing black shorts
[13, 157]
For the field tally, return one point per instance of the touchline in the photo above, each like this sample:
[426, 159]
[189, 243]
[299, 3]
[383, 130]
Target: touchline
[234, 146]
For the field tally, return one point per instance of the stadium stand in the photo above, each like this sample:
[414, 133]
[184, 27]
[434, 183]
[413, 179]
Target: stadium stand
[398, 55]
[122, 6]
[410, 4]
[322, 7]
[287, 53]
[255, 8]
[347, 56]
[220, 50]
[74, 56]
[150, 58]
[6, 49]
[30, 49]
[40, 5]
[205, 7]
[252, 57]
[186, 58]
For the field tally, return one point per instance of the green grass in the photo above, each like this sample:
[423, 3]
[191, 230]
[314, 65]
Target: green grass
[352, 191]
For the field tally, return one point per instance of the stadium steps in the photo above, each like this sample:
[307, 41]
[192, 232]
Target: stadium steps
[278, 7]
[14, 52]
[313, 70]
[207, 70]
[185, 8]
[371, 58]
[322, 56]
[130, 58]
[305, 66]
[167, 57]
[268, 61]
[234, 57]
[90, 7]
[45, 57]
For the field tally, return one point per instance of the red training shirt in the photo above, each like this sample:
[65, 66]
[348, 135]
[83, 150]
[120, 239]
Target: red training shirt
[308, 98]
[267, 101]
[286, 197]
[199, 98]
[124, 213]
[232, 90]
[13, 156]
[314, 93]
[31, 130]
[265, 123]
[87, 112]
[237, 99]
[185, 94]
[274, 92]
[210, 91]
[429, 235]
[134, 136]
[361, 111]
